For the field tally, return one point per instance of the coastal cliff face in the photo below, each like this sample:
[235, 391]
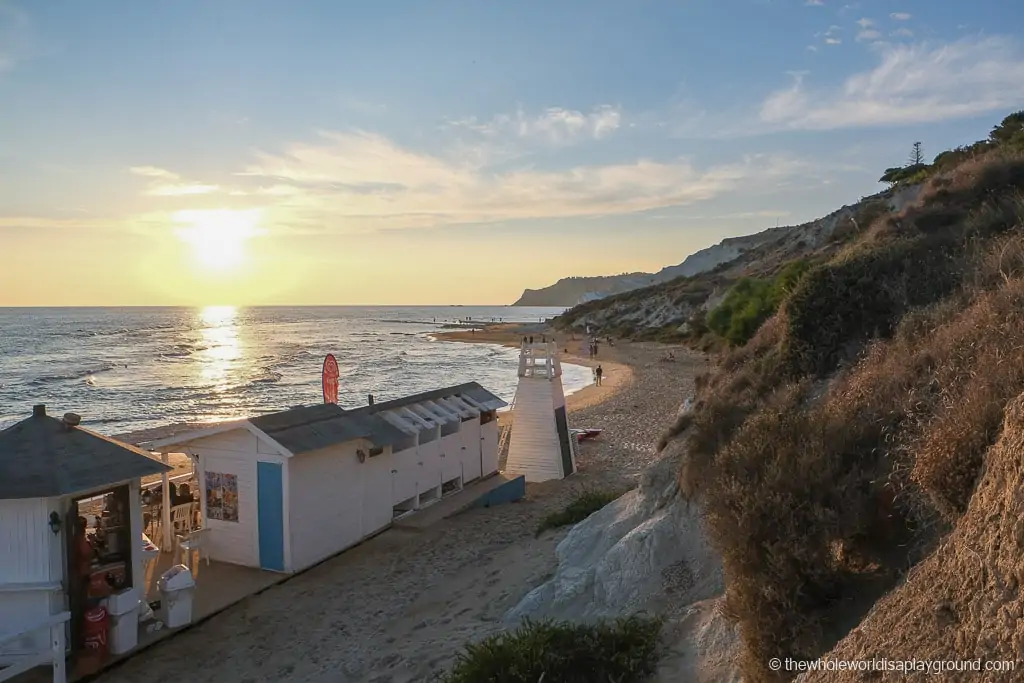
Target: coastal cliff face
[687, 292]
[570, 291]
[734, 254]
[857, 457]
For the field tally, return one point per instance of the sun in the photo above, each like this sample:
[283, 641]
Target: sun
[218, 237]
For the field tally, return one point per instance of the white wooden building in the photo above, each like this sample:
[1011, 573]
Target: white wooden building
[541, 446]
[48, 466]
[286, 490]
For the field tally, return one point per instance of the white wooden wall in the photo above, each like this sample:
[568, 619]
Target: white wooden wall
[31, 567]
[489, 438]
[470, 449]
[326, 501]
[235, 452]
[451, 456]
[405, 465]
[429, 475]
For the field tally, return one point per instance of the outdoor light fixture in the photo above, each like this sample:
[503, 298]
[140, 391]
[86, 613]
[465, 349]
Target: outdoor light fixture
[55, 523]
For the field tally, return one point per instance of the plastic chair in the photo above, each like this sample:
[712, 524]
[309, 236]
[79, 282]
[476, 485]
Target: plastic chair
[193, 541]
[181, 517]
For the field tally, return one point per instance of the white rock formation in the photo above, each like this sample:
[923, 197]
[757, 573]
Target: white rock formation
[646, 552]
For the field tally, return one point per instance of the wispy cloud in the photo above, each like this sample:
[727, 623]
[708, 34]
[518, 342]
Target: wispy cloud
[868, 34]
[356, 182]
[911, 84]
[830, 36]
[902, 33]
[555, 124]
[164, 183]
[815, 3]
[900, 16]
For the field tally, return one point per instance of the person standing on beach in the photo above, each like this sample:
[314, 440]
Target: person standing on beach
[599, 372]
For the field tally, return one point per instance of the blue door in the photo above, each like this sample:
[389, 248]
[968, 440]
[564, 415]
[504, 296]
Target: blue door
[270, 494]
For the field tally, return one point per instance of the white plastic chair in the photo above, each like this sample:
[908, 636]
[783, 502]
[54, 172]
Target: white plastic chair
[181, 517]
[194, 541]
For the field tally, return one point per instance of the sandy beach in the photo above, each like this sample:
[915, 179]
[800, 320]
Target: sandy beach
[397, 608]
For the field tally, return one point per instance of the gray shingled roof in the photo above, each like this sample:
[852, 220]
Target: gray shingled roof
[40, 457]
[301, 430]
[310, 428]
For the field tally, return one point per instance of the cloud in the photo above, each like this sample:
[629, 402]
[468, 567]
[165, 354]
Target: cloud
[357, 182]
[902, 33]
[815, 3]
[865, 23]
[829, 36]
[911, 84]
[868, 34]
[900, 16]
[164, 183]
[555, 124]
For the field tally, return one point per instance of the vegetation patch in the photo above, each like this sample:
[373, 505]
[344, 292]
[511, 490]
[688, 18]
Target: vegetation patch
[582, 506]
[623, 651]
[751, 301]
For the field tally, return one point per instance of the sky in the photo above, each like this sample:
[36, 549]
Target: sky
[246, 152]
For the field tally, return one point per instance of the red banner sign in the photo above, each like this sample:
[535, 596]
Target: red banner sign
[330, 379]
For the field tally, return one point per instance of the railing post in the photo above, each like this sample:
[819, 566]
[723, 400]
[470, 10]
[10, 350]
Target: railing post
[57, 643]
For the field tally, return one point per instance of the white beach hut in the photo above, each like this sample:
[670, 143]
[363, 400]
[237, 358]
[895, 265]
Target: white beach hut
[541, 447]
[286, 490]
[53, 471]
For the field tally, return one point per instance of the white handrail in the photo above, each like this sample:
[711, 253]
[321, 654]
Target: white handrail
[54, 656]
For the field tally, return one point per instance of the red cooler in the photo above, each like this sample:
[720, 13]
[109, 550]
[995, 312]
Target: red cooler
[96, 625]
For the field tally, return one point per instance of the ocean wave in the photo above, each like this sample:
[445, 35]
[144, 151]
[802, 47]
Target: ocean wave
[268, 377]
[74, 374]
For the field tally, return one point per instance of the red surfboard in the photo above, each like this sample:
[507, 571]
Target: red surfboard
[330, 379]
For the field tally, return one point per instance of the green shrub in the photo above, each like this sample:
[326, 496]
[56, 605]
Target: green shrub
[751, 301]
[620, 651]
[585, 504]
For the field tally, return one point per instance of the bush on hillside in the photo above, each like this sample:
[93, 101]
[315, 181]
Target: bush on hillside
[751, 301]
[623, 651]
[586, 503]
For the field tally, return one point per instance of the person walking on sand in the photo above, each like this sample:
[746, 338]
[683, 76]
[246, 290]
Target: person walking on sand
[598, 372]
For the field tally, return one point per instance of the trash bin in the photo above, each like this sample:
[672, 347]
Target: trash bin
[176, 590]
[124, 621]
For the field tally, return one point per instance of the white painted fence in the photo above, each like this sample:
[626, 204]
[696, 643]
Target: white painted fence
[53, 657]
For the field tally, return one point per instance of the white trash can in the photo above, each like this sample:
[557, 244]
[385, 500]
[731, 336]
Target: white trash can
[124, 623]
[177, 588]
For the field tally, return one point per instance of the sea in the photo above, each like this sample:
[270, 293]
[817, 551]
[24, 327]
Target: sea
[128, 369]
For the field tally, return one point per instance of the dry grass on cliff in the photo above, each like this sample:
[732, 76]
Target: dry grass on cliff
[962, 603]
[834, 448]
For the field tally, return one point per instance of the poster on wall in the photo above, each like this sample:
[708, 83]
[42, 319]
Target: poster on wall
[222, 496]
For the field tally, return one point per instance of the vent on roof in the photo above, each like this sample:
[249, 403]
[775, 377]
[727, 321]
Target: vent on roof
[72, 419]
[370, 399]
[39, 410]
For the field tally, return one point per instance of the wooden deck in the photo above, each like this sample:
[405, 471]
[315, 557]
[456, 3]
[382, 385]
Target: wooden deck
[218, 586]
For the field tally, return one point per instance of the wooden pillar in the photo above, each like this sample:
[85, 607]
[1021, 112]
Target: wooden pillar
[57, 650]
[165, 509]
